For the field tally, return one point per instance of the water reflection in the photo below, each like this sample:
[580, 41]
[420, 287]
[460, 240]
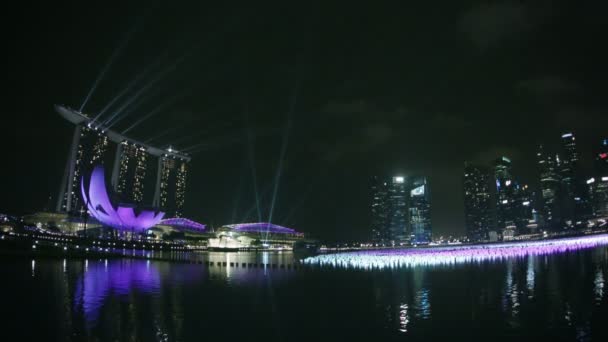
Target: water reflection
[121, 277]
[598, 285]
[560, 296]
[403, 318]
[423, 304]
[511, 303]
[530, 274]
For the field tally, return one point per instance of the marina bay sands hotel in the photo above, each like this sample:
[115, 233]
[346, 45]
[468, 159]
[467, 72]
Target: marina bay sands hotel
[132, 162]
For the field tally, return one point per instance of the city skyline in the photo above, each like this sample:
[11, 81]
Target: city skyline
[277, 121]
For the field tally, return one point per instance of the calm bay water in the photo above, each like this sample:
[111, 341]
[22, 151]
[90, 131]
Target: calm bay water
[561, 297]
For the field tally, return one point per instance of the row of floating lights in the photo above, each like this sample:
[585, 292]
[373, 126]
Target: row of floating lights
[380, 259]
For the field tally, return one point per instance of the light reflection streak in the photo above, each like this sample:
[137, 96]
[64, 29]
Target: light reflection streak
[530, 275]
[413, 257]
[423, 304]
[598, 286]
[403, 318]
[119, 278]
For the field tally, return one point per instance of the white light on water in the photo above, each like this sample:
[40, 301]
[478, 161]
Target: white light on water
[435, 256]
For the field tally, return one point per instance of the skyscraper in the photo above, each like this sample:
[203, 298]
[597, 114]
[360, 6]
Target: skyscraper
[599, 185]
[525, 214]
[171, 185]
[573, 196]
[389, 210]
[505, 196]
[420, 211]
[477, 202]
[601, 159]
[90, 145]
[550, 189]
[88, 149]
[379, 209]
[130, 171]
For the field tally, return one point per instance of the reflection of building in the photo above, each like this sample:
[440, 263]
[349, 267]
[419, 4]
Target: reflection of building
[477, 202]
[90, 148]
[118, 277]
[420, 211]
[171, 185]
[389, 210]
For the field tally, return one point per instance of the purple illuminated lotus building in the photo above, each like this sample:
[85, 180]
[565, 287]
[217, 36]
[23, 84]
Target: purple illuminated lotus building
[123, 218]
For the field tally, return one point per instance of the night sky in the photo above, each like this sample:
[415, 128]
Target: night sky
[338, 93]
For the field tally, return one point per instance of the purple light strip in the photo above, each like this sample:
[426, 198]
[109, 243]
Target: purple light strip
[262, 227]
[412, 257]
[183, 222]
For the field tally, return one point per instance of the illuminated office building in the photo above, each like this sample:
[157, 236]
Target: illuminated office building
[389, 210]
[598, 185]
[574, 198]
[420, 211]
[550, 184]
[401, 210]
[379, 210]
[526, 217]
[477, 202]
[505, 195]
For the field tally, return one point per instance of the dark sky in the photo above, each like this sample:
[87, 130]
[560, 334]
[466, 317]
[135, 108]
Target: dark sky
[342, 92]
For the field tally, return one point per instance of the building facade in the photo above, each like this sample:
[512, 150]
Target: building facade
[505, 196]
[599, 183]
[575, 203]
[420, 211]
[401, 210]
[389, 210]
[477, 202]
[170, 190]
[130, 172]
[90, 147]
[550, 185]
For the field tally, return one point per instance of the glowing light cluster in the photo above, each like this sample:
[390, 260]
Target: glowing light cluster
[183, 222]
[412, 257]
[122, 217]
[262, 227]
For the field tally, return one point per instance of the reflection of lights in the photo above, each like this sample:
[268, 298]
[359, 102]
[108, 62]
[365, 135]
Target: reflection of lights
[530, 277]
[598, 286]
[435, 256]
[423, 303]
[33, 268]
[511, 291]
[403, 318]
